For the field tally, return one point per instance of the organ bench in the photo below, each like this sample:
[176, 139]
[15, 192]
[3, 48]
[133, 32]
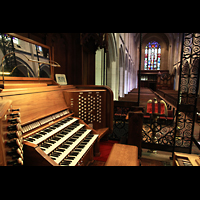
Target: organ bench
[123, 155]
[54, 125]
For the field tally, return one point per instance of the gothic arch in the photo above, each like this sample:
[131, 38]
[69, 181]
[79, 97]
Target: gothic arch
[112, 48]
[111, 63]
[45, 71]
[163, 40]
[126, 74]
[24, 67]
[121, 56]
[121, 71]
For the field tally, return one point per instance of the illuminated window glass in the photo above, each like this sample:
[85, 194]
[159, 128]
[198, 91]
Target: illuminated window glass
[152, 56]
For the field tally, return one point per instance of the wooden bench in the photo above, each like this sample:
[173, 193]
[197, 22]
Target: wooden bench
[123, 155]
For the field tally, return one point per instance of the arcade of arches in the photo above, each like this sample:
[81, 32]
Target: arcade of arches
[118, 67]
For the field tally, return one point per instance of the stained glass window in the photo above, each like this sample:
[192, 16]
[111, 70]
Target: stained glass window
[152, 56]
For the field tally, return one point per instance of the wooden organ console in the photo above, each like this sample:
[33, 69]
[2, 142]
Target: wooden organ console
[54, 125]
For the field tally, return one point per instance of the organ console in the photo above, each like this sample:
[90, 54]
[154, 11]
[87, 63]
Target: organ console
[54, 125]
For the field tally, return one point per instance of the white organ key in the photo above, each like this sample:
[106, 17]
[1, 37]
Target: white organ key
[59, 142]
[37, 141]
[83, 151]
[72, 146]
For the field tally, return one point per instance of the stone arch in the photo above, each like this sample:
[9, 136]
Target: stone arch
[126, 74]
[112, 49]
[111, 65]
[45, 71]
[24, 67]
[121, 71]
[163, 40]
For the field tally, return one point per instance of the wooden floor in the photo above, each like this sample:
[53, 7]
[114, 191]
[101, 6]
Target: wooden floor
[158, 158]
[147, 160]
[144, 162]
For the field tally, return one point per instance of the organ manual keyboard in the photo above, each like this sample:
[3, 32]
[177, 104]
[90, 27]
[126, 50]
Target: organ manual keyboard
[55, 126]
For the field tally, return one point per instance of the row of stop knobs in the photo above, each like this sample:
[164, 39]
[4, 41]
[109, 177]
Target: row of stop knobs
[13, 139]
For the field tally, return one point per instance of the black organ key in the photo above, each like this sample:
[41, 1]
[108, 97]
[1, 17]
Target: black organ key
[70, 158]
[90, 135]
[42, 133]
[76, 136]
[73, 154]
[77, 149]
[55, 154]
[47, 130]
[81, 131]
[30, 139]
[60, 134]
[51, 141]
[55, 138]
[81, 146]
[68, 143]
[79, 134]
[65, 131]
[61, 149]
[65, 146]
[86, 140]
[61, 123]
[52, 127]
[67, 119]
[66, 162]
[37, 135]
[56, 125]
[84, 143]
[45, 145]
[72, 139]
